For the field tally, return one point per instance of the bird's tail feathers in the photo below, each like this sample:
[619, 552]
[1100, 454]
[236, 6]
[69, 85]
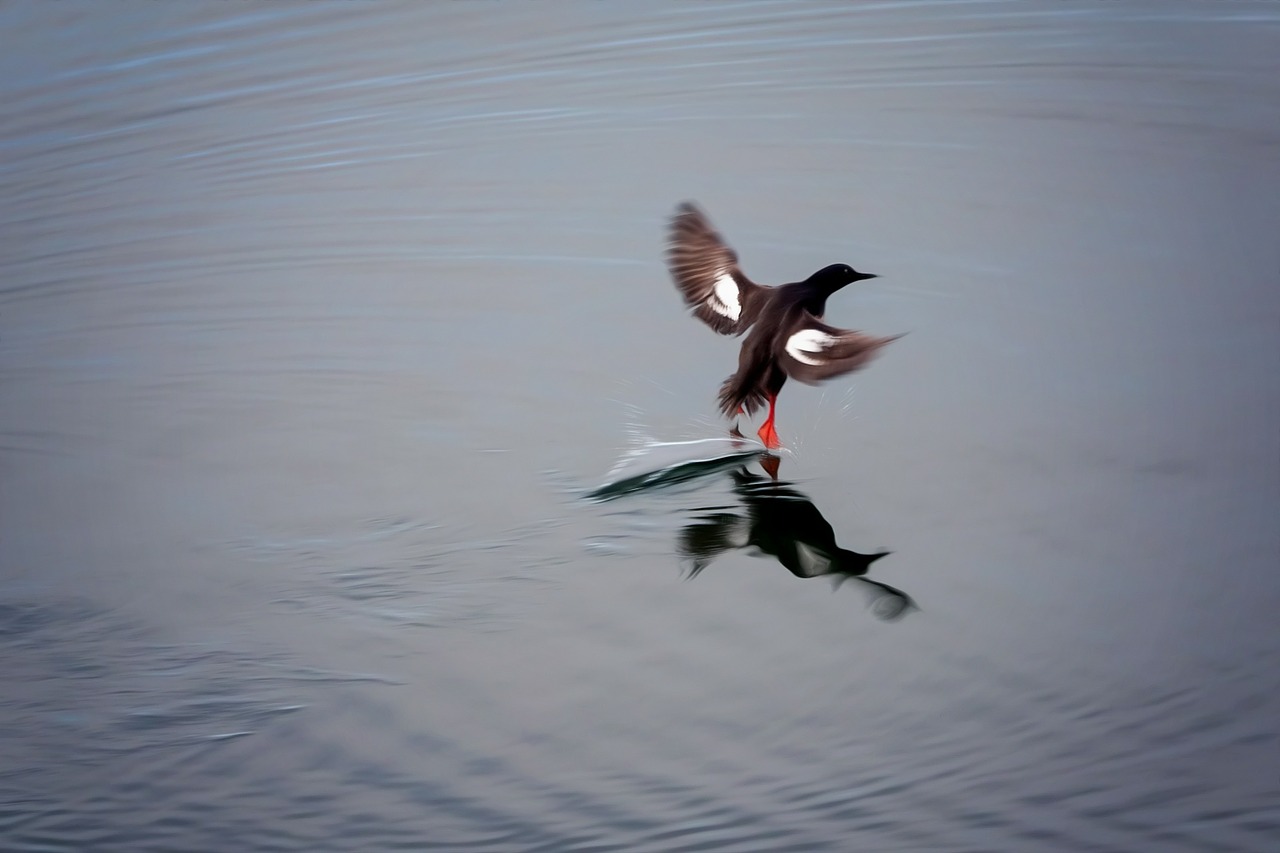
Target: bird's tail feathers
[733, 396]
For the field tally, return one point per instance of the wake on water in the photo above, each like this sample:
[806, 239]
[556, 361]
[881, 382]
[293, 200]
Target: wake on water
[658, 464]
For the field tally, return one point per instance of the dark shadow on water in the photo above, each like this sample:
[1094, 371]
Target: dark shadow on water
[773, 517]
[780, 521]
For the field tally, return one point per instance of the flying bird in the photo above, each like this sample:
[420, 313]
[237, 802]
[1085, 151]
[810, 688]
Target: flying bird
[788, 337]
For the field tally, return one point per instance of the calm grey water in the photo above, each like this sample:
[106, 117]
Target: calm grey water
[316, 321]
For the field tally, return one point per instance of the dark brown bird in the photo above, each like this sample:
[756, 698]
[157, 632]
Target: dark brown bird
[788, 338]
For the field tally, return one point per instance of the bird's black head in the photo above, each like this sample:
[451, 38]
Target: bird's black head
[836, 276]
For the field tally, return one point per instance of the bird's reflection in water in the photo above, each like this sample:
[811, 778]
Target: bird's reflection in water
[778, 520]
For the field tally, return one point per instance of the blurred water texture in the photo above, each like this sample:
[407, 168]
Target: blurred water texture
[318, 321]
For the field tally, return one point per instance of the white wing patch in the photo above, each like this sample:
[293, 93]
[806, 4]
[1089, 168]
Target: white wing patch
[805, 344]
[814, 561]
[724, 297]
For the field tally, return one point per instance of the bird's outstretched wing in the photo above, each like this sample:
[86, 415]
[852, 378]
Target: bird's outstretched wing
[812, 351]
[706, 271]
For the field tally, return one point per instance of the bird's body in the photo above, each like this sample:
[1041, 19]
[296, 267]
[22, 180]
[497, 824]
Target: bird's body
[787, 336]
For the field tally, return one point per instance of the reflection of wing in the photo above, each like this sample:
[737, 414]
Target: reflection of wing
[706, 271]
[814, 351]
[811, 562]
[710, 536]
[887, 602]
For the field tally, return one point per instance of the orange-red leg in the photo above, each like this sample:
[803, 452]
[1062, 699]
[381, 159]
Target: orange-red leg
[769, 462]
[767, 433]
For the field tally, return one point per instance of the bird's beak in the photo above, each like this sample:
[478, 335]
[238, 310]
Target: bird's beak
[865, 275]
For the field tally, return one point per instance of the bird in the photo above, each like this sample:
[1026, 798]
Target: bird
[788, 337]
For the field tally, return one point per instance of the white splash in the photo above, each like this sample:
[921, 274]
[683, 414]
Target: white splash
[725, 297]
[807, 343]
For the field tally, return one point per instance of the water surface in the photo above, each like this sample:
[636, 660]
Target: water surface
[318, 321]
